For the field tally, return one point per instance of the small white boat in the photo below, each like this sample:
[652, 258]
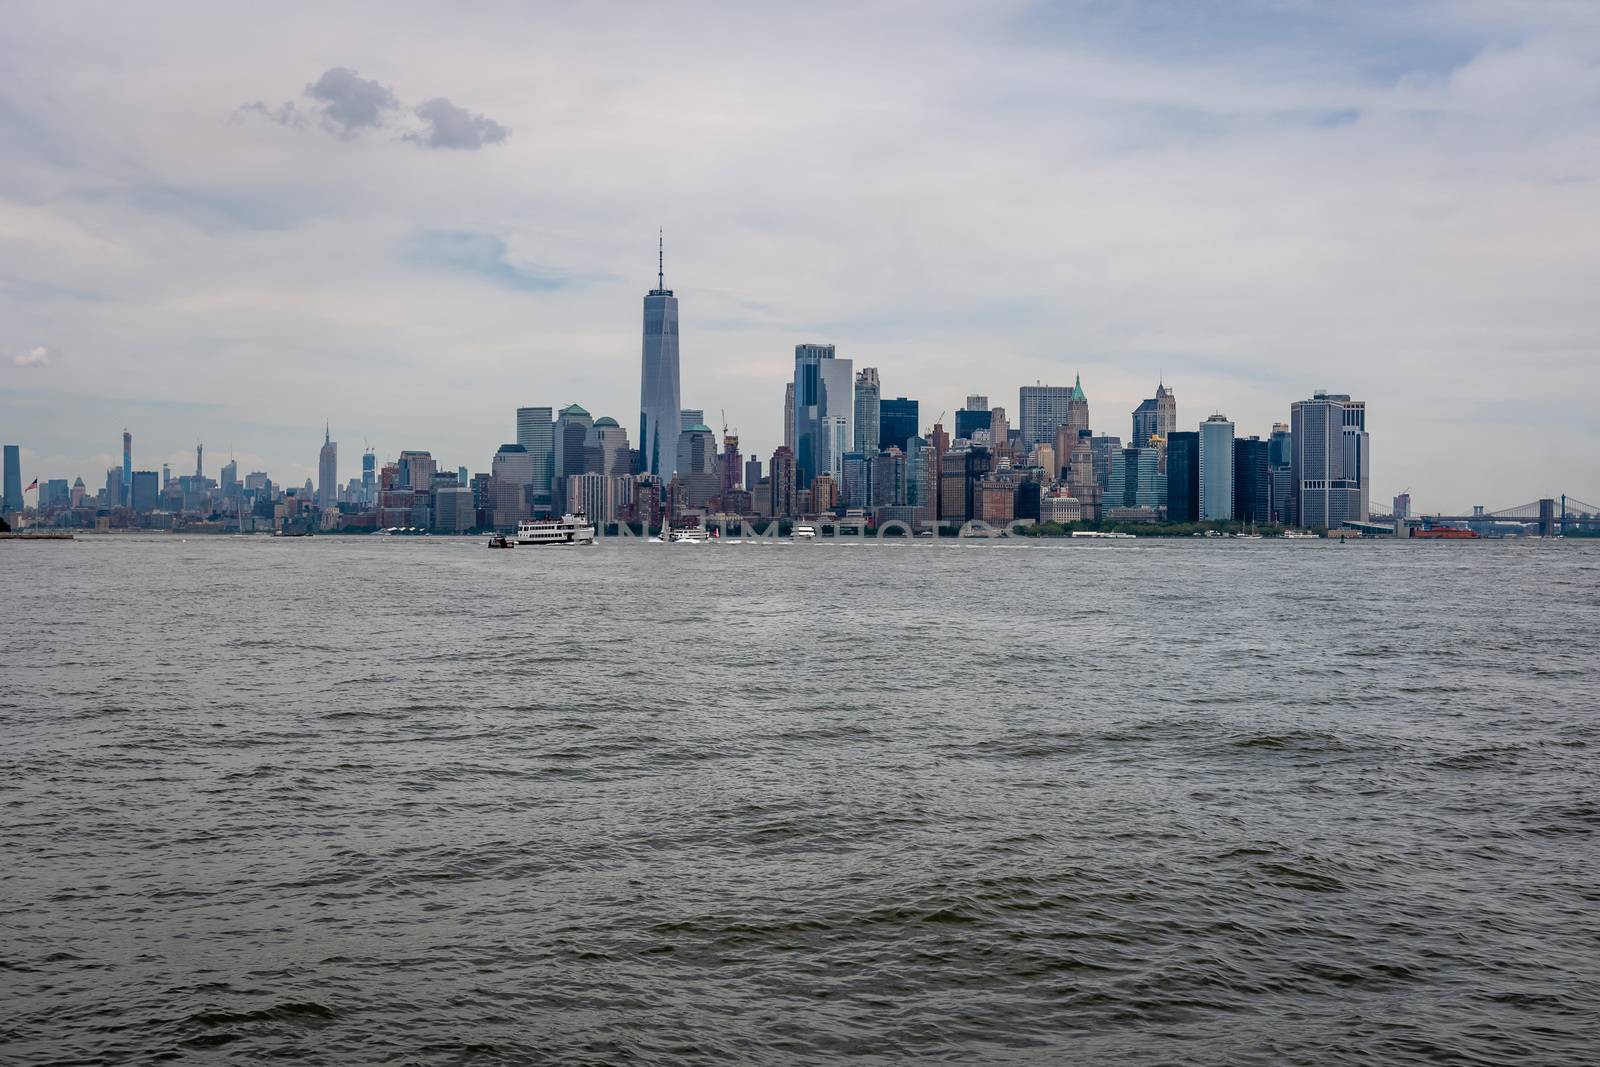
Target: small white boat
[573, 529]
[1100, 533]
[805, 533]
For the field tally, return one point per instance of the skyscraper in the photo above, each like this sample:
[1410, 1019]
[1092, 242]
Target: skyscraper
[788, 420]
[327, 470]
[782, 479]
[730, 463]
[536, 432]
[144, 491]
[868, 392]
[823, 385]
[1216, 469]
[572, 435]
[1041, 411]
[835, 445]
[606, 449]
[127, 469]
[1156, 417]
[11, 497]
[1329, 459]
[510, 486]
[1183, 476]
[1252, 485]
[897, 422]
[660, 419]
[369, 478]
[688, 417]
[970, 420]
[696, 465]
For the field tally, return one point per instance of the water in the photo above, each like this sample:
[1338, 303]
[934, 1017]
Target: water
[411, 801]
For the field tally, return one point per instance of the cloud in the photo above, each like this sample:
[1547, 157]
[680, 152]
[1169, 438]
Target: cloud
[450, 126]
[480, 254]
[351, 103]
[39, 356]
[285, 114]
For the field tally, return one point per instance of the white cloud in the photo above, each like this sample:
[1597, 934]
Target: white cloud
[39, 356]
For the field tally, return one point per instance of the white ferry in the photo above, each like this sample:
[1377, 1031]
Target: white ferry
[805, 533]
[692, 535]
[1102, 534]
[572, 529]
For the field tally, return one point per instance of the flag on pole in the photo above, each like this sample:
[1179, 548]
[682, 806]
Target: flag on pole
[32, 486]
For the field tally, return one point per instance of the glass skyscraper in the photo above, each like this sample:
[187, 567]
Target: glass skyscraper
[1216, 469]
[897, 422]
[1183, 476]
[823, 385]
[536, 432]
[11, 496]
[660, 419]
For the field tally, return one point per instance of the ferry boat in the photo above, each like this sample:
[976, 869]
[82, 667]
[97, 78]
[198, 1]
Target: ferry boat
[1103, 534]
[805, 533]
[571, 529]
[692, 535]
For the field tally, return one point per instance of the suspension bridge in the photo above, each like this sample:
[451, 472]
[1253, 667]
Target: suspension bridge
[1553, 516]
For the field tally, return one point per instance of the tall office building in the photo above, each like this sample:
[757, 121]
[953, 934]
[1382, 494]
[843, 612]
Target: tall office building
[730, 463]
[127, 469]
[1077, 406]
[1041, 411]
[11, 497]
[660, 418]
[369, 478]
[1216, 469]
[144, 491]
[1134, 480]
[1104, 446]
[697, 463]
[1329, 459]
[1000, 431]
[897, 422]
[835, 445]
[688, 417]
[788, 419]
[1252, 484]
[972, 418]
[782, 479]
[823, 385]
[536, 431]
[1183, 476]
[1156, 417]
[510, 486]
[869, 392]
[327, 470]
[752, 472]
[1280, 475]
[1357, 460]
[606, 449]
[572, 436]
[889, 478]
[855, 487]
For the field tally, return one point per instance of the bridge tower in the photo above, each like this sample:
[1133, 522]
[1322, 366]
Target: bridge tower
[1547, 517]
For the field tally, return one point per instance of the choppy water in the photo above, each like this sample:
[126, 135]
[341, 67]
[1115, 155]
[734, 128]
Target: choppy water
[410, 801]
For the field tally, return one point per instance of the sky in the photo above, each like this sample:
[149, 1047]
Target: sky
[236, 223]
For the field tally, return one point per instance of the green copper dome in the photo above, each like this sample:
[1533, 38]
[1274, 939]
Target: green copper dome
[604, 420]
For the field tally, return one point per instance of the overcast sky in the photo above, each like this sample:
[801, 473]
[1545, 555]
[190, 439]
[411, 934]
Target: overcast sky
[230, 223]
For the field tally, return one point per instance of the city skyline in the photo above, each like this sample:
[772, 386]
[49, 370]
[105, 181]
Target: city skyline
[1398, 226]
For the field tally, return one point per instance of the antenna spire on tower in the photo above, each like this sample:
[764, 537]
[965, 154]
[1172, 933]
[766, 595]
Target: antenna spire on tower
[661, 275]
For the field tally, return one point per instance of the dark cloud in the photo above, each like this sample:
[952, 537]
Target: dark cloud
[449, 126]
[351, 103]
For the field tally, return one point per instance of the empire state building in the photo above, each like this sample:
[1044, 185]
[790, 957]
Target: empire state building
[659, 419]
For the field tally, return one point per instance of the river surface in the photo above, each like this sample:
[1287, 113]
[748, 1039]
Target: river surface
[354, 800]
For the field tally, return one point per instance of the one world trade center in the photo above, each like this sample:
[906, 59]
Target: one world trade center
[659, 420]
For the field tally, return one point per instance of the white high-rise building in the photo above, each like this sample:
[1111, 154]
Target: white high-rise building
[1216, 469]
